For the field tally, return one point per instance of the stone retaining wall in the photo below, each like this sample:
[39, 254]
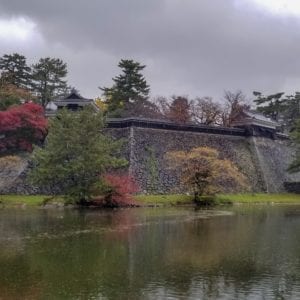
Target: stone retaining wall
[149, 147]
[263, 160]
[274, 158]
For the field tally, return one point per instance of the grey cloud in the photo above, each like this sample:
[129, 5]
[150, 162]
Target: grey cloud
[190, 47]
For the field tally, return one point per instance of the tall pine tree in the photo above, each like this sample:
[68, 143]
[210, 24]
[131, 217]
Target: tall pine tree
[281, 108]
[15, 71]
[271, 106]
[49, 78]
[129, 88]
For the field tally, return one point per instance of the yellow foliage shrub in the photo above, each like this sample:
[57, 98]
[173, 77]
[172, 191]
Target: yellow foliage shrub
[203, 172]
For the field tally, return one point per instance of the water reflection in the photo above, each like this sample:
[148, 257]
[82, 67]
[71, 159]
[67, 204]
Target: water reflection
[247, 252]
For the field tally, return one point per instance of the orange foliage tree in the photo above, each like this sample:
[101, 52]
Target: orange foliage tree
[179, 110]
[203, 172]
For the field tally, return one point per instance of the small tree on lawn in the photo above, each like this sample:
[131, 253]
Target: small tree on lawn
[203, 172]
[119, 190]
[76, 154]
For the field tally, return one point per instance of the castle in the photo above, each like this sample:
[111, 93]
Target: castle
[255, 145]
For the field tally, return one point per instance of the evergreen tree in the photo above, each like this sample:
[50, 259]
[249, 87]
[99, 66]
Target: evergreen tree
[49, 78]
[129, 88]
[292, 111]
[271, 106]
[76, 154]
[14, 70]
[285, 109]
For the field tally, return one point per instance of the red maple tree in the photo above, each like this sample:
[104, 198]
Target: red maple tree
[22, 126]
[119, 191]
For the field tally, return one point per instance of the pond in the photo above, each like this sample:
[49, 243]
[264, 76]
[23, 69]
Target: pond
[239, 252]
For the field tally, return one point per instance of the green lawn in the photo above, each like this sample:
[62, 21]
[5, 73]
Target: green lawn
[220, 199]
[160, 200]
[259, 198]
[37, 200]
[19, 200]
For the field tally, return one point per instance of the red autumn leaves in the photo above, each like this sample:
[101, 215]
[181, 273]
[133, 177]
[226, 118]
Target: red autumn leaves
[122, 187]
[22, 126]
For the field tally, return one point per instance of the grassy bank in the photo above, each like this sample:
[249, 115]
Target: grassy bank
[159, 200]
[164, 199]
[32, 201]
[259, 198]
[39, 200]
[220, 199]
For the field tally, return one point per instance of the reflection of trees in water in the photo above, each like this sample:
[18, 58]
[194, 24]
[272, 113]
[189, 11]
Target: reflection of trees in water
[240, 255]
[135, 254]
[17, 280]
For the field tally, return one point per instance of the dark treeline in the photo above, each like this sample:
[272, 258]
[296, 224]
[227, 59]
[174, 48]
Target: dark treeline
[129, 95]
[40, 82]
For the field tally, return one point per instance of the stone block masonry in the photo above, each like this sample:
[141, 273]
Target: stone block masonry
[274, 157]
[264, 161]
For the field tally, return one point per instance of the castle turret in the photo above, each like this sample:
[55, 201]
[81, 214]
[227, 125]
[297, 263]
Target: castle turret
[256, 124]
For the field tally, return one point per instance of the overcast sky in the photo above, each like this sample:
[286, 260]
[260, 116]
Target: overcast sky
[190, 47]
